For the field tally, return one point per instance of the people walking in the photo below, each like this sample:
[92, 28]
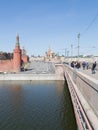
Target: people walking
[87, 65]
[72, 64]
[84, 65]
[93, 67]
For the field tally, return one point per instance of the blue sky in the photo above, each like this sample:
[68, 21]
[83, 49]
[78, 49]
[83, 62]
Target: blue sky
[49, 23]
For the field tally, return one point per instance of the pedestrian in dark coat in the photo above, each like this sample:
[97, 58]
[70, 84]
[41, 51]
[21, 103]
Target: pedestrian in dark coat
[83, 65]
[93, 67]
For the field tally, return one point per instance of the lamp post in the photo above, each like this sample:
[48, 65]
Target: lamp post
[65, 51]
[71, 51]
[67, 54]
[78, 44]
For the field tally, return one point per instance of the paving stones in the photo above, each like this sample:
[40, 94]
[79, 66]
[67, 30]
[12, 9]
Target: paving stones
[39, 67]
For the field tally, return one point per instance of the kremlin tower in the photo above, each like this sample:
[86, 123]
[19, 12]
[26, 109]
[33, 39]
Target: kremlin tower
[14, 64]
[17, 56]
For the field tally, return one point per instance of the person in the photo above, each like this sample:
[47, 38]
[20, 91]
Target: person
[83, 65]
[72, 64]
[78, 65]
[87, 65]
[93, 67]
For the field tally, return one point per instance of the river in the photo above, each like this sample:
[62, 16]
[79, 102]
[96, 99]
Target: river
[36, 105]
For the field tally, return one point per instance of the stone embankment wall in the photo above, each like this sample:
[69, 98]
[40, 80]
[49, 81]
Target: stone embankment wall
[58, 75]
[26, 77]
[59, 72]
[86, 89]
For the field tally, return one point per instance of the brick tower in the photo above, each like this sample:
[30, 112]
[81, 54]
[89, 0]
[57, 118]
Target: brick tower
[17, 56]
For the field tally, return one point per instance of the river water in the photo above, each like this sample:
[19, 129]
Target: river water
[36, 105]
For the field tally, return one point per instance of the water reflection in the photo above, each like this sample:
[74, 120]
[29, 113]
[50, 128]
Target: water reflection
[36, 105]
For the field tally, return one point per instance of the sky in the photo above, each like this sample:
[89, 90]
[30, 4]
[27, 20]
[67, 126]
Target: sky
[41, 24]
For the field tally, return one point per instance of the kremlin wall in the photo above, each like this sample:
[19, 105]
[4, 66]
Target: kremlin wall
[14, 64]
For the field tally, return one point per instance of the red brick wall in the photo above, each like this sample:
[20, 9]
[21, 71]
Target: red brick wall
[6, 66]
[13, 65]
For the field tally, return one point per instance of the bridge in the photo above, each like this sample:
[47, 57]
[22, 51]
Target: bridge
[83, 87]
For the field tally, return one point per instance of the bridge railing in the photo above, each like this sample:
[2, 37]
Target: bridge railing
[84, 94]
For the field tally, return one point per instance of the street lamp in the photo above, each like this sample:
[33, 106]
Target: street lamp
[71, 50]
[78, 44]
[67, 54]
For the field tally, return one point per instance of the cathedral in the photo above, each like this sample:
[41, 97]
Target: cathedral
[49, 55]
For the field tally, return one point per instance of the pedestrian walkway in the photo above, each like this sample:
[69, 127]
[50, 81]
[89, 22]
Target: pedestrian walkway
[89, 73]
[39, 67]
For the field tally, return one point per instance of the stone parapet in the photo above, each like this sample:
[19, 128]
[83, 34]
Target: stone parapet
[86, 88]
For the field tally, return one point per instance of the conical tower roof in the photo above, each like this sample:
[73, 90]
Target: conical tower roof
[17, 41]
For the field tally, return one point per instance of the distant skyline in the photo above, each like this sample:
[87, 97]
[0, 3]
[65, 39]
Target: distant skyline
[41, 24]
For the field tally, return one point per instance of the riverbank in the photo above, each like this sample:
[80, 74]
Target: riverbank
[36, 71]
[29, 77]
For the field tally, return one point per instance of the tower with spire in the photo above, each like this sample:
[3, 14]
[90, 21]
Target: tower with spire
[17, 56]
